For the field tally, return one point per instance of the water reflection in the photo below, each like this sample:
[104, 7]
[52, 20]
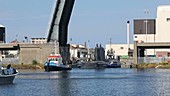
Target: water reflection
[39, 74]
[90, 82]
[143, 79]
[59, 74]
[60, 82]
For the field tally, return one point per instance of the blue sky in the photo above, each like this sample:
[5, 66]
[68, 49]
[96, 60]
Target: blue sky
[94, 20]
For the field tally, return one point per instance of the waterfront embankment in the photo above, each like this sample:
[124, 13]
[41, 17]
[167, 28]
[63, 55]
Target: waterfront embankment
[154, 65]
[25, 66]
[41, 66]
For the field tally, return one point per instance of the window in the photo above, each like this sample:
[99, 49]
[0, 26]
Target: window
[168, 19]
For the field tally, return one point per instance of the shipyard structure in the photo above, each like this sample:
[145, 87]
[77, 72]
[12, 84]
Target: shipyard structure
[146, 30]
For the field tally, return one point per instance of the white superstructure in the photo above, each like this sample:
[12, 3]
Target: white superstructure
[163, 24]
[118, 49]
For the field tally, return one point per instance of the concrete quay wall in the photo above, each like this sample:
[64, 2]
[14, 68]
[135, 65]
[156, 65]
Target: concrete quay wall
[38, 52]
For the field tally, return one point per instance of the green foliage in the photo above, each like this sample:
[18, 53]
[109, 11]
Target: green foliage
[152, 65]
[164, 63]
[147, 65]
[34, 62]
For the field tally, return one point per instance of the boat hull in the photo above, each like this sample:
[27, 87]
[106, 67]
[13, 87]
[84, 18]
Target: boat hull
[56, 68]
[55, 63]
[6, 79]
[113, 66]
[92, 65]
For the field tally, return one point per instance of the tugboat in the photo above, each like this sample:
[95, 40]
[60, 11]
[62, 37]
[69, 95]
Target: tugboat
[54, 63]
[7, 75]
[114, 64]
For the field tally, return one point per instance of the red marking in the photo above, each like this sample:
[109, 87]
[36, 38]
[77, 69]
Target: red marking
[54, 57]
[168, 61]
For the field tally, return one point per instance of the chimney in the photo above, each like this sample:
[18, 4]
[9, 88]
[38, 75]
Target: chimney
[128, 34]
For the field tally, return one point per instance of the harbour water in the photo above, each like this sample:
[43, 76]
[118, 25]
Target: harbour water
[90, 82]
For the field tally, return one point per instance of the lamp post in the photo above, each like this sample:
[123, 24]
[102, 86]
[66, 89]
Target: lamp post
[26, 38]
[146, 11]
[17, 38]
[88, 50]
[110, 43]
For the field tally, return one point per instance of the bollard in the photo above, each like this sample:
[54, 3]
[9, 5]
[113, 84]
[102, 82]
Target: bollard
[48, 66]
[131, 66]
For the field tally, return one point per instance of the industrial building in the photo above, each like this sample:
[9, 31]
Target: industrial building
[2, 34]
[81, 52]
[148, 30]
[118, 49]
[38, 40]
[78, 52]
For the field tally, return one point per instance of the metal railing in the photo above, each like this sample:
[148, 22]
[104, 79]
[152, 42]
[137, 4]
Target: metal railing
[157, 60]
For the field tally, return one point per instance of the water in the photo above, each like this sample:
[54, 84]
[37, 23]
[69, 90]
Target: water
[90, 82]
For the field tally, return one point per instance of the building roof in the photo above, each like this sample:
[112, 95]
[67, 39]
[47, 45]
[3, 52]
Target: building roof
[164, 8]
[78, 45]
[1, 25]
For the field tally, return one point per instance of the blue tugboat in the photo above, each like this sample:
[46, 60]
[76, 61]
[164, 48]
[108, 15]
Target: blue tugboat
[114, 64]
[54, 63]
